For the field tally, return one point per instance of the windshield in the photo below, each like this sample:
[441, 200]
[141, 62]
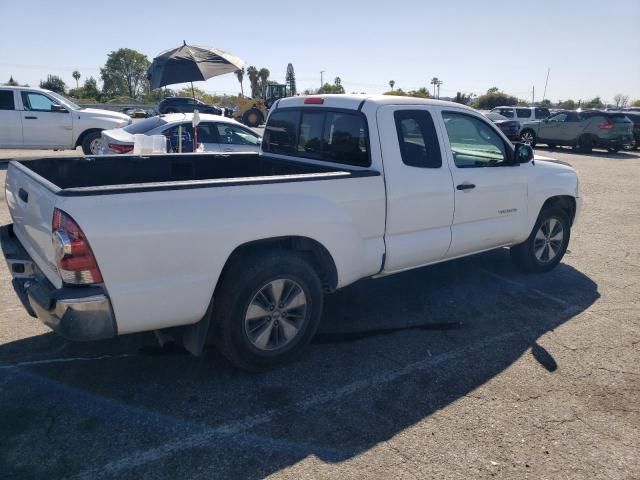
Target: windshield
[64, 101]
[145, 125]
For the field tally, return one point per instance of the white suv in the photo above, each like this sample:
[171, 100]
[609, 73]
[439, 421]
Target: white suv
[523, 114]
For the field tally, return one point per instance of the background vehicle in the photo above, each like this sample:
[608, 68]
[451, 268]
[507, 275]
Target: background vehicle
[522, 114]
[511, 128]
[253, 111]
[634, 116]
[583, 130]
[240, 250]
[215, 134]
[187, 105]
[38, 118]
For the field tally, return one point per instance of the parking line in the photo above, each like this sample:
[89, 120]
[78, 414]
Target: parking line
[241, 426]
[63, 360]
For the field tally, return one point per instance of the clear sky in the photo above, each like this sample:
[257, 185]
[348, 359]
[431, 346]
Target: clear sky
[592, 47]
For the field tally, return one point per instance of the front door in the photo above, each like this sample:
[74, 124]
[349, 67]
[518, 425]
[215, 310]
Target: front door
[490, 191]
[419, 188]
[234, 138]
[41, 125]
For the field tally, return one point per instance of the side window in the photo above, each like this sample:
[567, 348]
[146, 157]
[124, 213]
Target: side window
[542, 113]
[572, 117]
[6, 100]
[559, 118]
[417, 138]
[310, 139]
[473, 142]
[234, 135]
[175, 134]
[523, 112]
[506, 112]
[280, 132]
[36, 101]
[207, 133]
[345, 139]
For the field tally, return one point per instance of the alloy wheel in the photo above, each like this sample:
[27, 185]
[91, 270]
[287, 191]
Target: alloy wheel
[548, 240]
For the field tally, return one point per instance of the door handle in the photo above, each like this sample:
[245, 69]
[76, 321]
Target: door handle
[30, 118]
[466, 186]
[23, 195]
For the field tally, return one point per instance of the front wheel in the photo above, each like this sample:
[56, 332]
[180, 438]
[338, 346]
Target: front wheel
[252, 118]
[266, 309]
[529, 137]
[92, 143]
[546, 244]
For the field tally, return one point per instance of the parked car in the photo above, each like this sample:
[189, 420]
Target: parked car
[215, 134]
[187, 105]
[511, 128]
[240, 251]
[522, 114]
[583, 130]
[635, 119]
[38, 118]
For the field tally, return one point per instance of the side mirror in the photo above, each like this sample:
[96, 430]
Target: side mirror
[523, 153]
[58, 108]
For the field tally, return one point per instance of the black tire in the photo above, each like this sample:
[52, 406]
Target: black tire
[528, 136]
[524, 255]
[252, 118]
[89, 143]
[239, 290]
[585, 144]
[551, 145]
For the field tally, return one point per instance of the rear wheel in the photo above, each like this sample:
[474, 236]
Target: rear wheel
[585, 144]
[528, 136]
[546, 244]
[267, 309]
[252, 117]
[92, 143]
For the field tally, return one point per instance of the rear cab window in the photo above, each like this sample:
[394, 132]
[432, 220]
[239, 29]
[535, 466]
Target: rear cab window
[542, 113]
[330, 135]
[523, 112]
[417, 139]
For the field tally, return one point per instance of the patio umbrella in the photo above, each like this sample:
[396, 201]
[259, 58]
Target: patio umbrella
[190, 63]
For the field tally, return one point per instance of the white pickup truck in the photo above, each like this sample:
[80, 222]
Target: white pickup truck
[239, 248]
[38, 118]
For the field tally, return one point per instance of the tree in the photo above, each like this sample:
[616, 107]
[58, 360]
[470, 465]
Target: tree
[567, 105]
[11, 82]
[91, 88]
[252, 73]
[337, 81]
[335, 88]
[290, 80]
[434, 81]
[76, 76]
[494, 98]
[392, 84]
[636, 103]
[622, 101]
[54, 83]
[593, 103]
[263, 76]
[420, 93]
[462, 98]
[125, 73]
[240, 75]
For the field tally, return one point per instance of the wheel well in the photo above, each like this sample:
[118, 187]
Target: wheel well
[318, 255]
[564, 202]
[85, 133]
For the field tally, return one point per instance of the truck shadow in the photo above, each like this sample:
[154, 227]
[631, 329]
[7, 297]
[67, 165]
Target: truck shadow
[389, 353]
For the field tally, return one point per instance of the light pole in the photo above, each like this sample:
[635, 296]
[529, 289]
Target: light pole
[321, 82]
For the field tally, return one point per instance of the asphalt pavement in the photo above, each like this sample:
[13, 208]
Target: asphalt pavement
[464, 370]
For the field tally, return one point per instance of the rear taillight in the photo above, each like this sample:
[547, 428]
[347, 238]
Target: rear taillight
[116, 147]
[606, 126]
[73, 255]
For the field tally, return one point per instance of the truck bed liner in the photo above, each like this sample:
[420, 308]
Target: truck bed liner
[122, 174]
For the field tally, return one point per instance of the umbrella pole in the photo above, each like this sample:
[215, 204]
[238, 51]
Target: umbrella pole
[193, 92]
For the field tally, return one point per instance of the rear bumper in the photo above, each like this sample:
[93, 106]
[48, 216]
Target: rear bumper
[616, 142]
[76, 313]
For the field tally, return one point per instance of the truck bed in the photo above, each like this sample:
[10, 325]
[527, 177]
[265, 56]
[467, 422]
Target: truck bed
[119, 174]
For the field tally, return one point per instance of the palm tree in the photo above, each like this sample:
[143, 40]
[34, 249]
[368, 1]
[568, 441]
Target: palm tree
[263, 75]
[76, 75]
[440, 82]
[392, 83]
[337, 81]
[252, 73]
[240, 75]
[434, 81]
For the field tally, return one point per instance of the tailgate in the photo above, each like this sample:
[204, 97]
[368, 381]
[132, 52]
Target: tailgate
[31, 206]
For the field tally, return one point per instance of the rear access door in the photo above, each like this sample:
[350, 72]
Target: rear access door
[419, 188]
[31, 206]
